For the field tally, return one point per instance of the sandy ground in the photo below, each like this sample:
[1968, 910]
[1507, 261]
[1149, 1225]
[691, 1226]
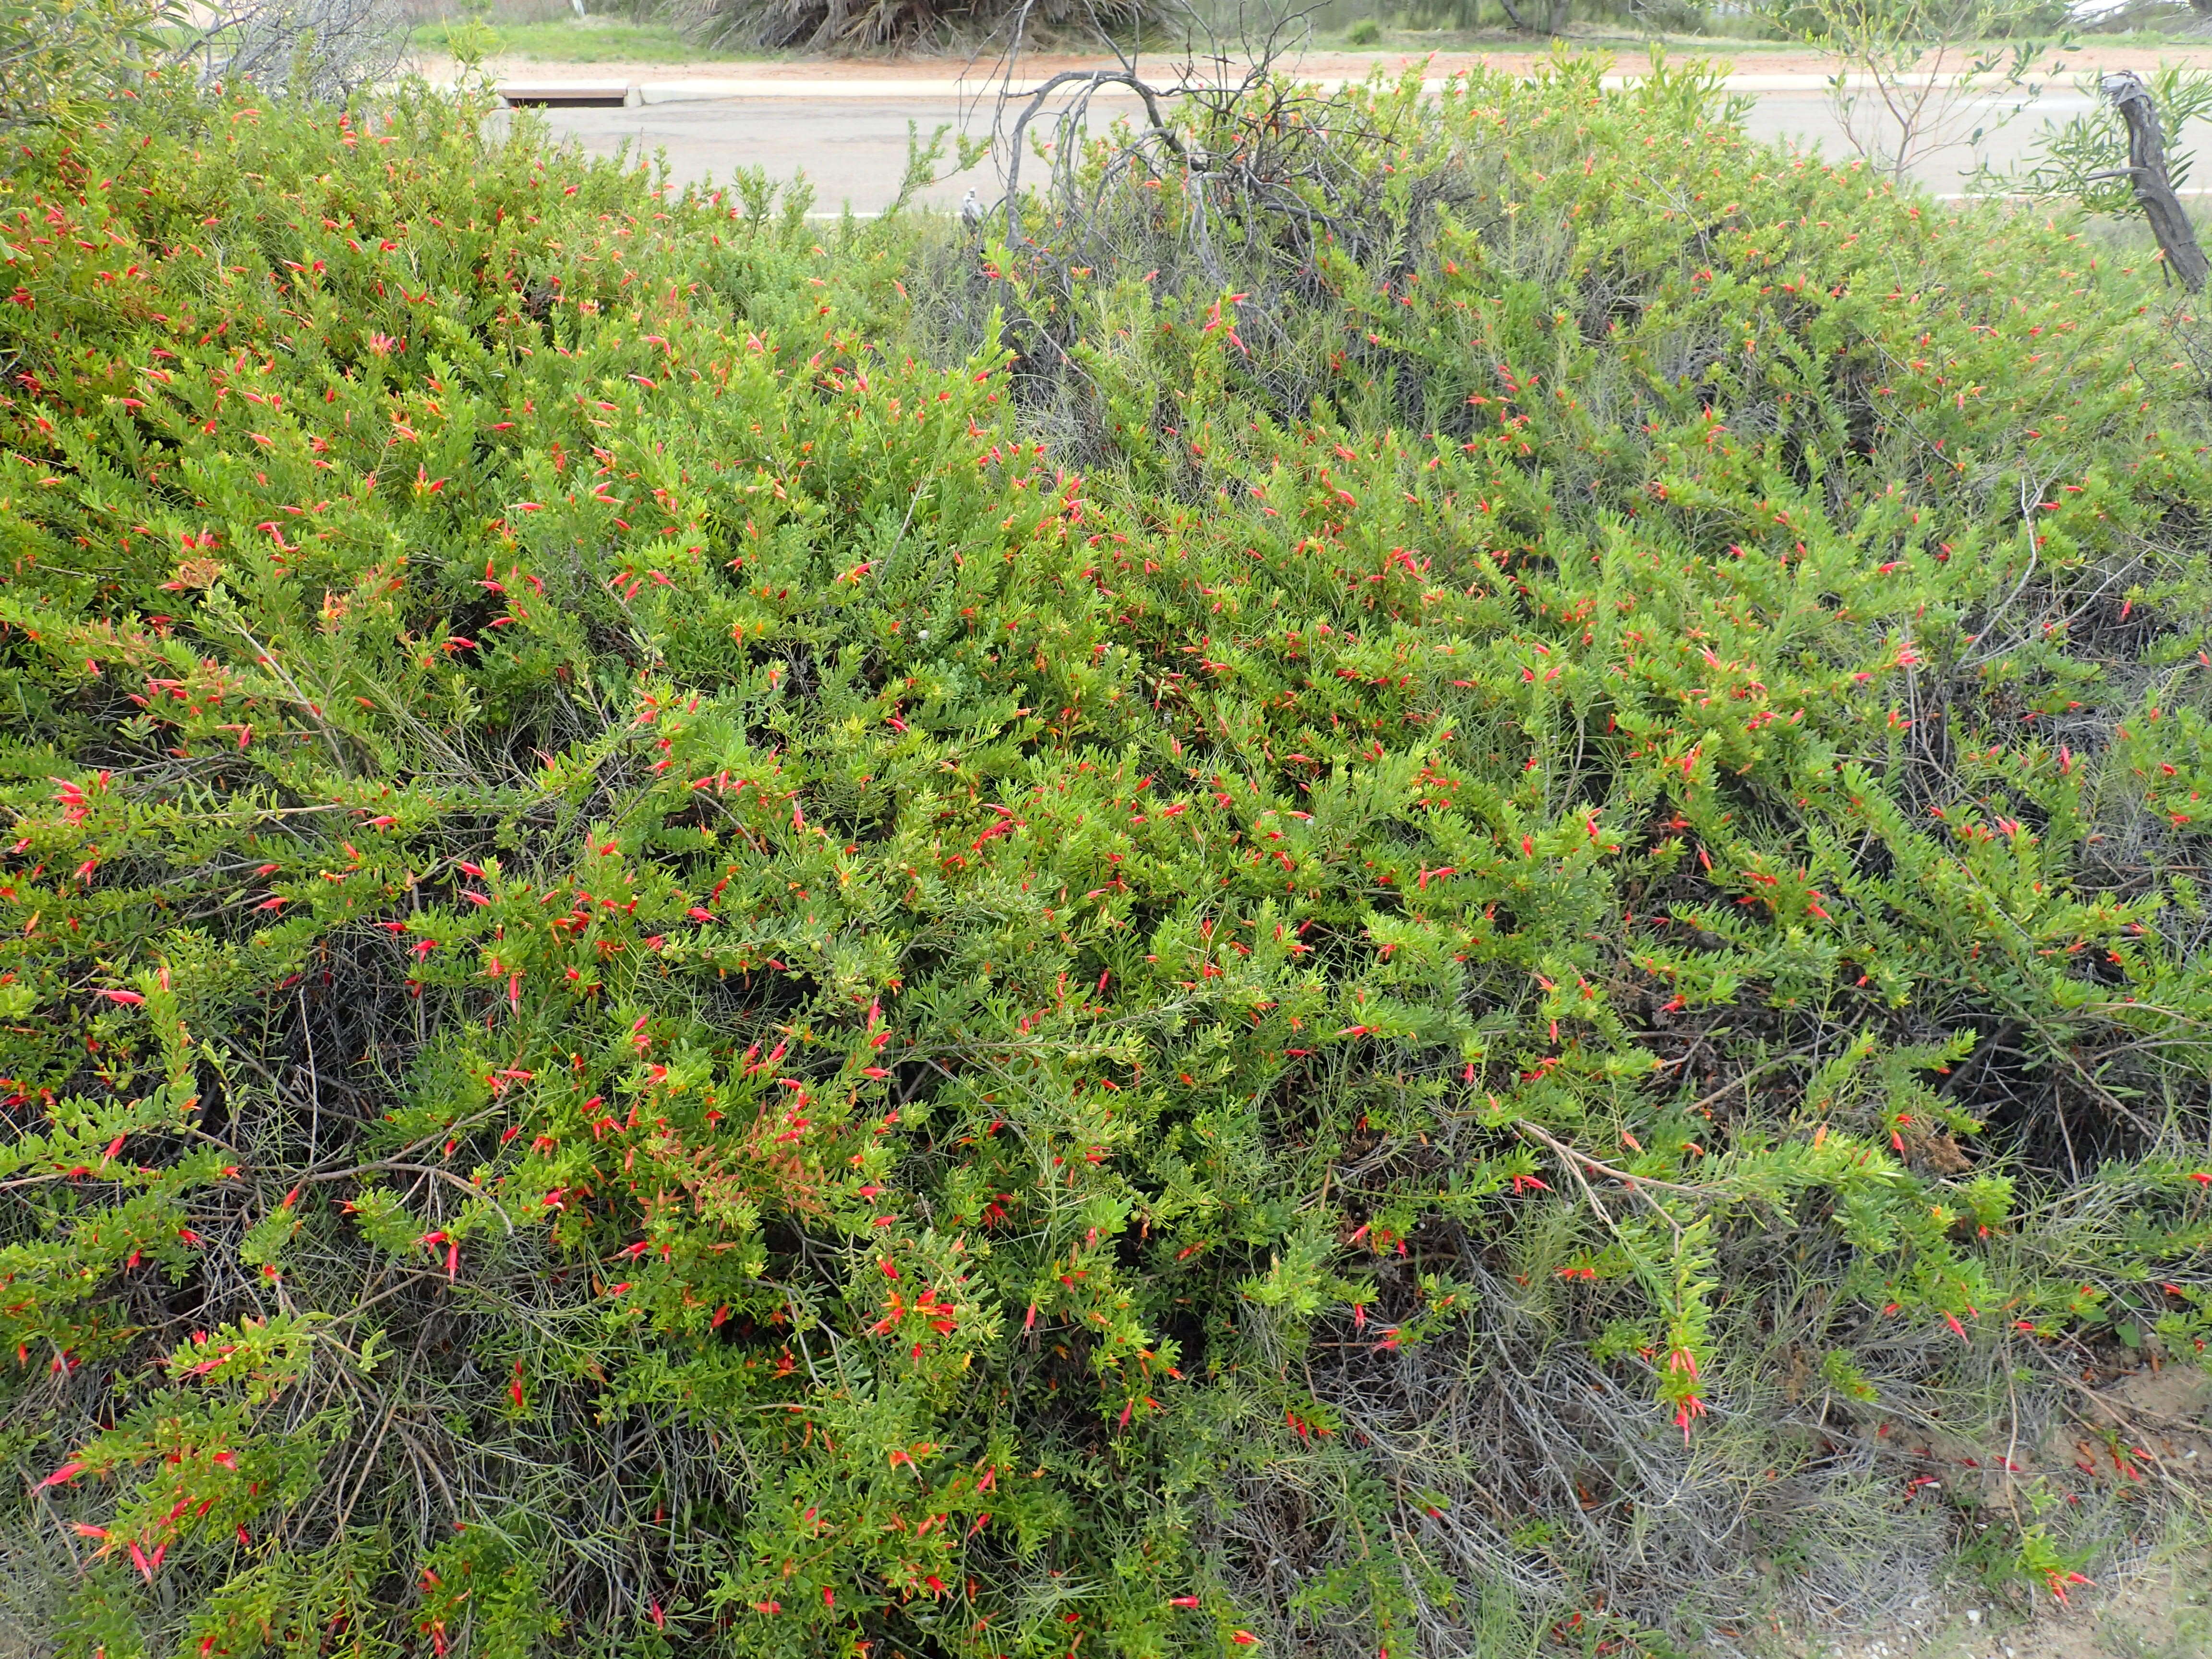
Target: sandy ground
[2162, 1610]
[1745, 58]
[2157, 1605]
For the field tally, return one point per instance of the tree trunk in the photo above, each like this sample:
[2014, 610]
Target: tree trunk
[2154, 195]
[830, 36]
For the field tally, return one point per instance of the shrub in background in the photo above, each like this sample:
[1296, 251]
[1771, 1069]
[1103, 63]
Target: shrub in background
[1914, 77]
[1428, 881]
[323, 50]
[61, 61]
[842, 27]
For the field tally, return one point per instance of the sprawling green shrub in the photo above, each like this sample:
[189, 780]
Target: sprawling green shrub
[728, 934]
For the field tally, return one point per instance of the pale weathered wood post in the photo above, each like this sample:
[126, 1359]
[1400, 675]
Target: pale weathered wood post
[2153, 190]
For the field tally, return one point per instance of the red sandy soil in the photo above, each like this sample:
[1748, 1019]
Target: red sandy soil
[1745, 58]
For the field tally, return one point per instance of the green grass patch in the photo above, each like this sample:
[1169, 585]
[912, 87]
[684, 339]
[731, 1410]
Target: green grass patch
[598, 40]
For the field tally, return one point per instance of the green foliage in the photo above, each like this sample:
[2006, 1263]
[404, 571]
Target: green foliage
[702, 953]
[604, 40]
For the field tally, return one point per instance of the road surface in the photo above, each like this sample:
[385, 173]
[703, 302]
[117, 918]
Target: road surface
[849, 134]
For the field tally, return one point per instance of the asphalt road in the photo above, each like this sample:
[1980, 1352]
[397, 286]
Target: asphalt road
[852, 151]
[852, 145]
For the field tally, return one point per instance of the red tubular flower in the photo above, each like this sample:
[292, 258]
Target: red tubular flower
[1691, 1409]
